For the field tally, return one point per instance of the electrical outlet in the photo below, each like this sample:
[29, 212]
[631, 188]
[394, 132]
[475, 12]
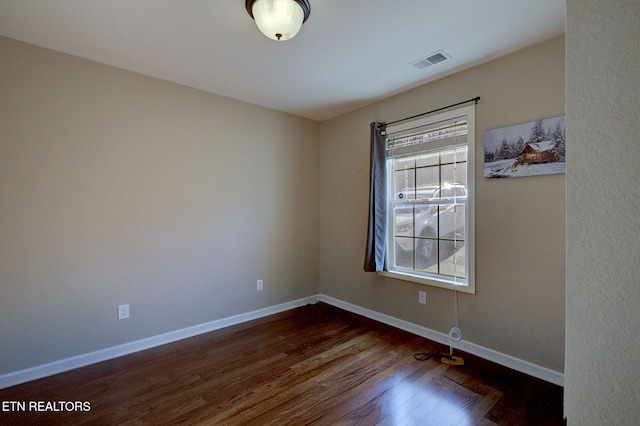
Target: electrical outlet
[422, 297]
[123, 311]
[260, 285]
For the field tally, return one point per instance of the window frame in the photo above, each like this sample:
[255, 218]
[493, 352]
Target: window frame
[437, 280]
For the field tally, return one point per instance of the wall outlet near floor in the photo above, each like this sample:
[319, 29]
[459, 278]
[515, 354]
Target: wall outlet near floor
[123, 311]
[260, 285]
[422, 297]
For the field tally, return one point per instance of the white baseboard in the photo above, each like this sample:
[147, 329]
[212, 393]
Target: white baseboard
[526, 367]
[45, 370]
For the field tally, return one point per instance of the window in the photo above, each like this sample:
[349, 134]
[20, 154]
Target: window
[430, 182]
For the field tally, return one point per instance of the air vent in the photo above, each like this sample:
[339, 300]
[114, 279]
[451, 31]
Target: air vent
[432, 59]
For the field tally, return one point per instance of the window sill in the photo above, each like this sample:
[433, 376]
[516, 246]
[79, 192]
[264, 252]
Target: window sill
[434, 282]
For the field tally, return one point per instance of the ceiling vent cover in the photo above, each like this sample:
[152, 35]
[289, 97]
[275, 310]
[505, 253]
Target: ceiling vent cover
[432, 59]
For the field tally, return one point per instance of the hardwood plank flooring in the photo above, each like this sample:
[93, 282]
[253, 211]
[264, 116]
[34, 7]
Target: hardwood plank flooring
[315, 365]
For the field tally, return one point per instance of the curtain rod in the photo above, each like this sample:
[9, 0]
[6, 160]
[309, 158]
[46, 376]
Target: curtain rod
[476, 99]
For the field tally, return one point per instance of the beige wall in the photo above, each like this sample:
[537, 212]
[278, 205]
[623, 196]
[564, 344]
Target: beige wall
[603, 213]
[520, 222]
[119, 188]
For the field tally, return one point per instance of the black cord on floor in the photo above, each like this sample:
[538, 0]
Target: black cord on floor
[423, 356]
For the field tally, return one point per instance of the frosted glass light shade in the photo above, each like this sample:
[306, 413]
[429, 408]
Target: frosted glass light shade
[278, 19]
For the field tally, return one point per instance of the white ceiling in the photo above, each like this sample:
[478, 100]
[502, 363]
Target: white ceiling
[348, 54]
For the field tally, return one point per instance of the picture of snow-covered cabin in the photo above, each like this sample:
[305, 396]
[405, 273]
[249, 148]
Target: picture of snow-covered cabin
[528, 149]
[538, 153]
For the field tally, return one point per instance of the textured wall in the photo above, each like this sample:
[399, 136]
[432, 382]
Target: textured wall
[603, 213]
[520, 222]
[119, 188]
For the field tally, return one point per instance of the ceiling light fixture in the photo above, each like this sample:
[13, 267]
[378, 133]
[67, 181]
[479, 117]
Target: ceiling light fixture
[279, 19]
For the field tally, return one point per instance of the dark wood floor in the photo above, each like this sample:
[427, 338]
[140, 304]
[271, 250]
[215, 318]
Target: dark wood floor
[312, 365]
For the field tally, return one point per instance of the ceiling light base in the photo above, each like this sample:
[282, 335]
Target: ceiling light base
[279, 19]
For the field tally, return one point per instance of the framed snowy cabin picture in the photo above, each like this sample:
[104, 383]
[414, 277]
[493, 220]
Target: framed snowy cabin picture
[528, 149]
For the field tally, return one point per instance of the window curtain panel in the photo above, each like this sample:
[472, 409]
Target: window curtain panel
[376, 235]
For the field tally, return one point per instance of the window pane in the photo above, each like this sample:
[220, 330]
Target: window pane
[451, 191]
[454, 174]
[427, 181]
[426, 228]
[403, 163]
[452, 258]
[427, 254]
[452, 221]
[404, 252]
[426, 221]
[429, 159]
[405, 184]
[403, 217]
[456, 155]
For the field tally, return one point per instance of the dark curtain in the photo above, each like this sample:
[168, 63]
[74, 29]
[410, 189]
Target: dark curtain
[376, 242]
